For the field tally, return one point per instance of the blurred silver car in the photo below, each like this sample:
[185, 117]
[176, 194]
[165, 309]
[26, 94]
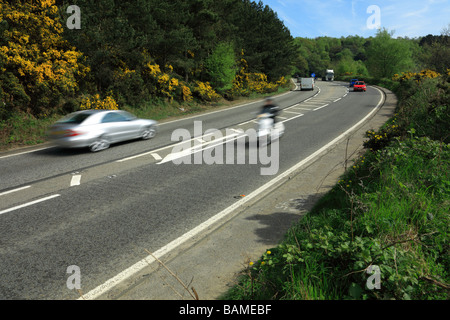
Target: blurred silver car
[98, 129]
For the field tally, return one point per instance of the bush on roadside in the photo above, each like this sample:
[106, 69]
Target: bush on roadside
[390, 210]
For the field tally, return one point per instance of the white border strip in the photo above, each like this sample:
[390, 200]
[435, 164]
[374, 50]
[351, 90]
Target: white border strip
[109, 284]
[29, 204]
[25, 152]
[15, 190]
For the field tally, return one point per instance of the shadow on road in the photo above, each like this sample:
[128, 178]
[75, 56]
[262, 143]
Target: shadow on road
[286, 214]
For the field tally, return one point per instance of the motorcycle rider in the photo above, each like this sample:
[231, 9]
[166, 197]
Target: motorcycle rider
[271, 108]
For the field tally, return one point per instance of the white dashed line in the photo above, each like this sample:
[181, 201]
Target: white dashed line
[76, 179]
[156, 156]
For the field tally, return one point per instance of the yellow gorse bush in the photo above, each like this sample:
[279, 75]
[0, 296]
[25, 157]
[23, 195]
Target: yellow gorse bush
[205, 91]
[417, 76]
[95, 102]
[35, 56]
[166, 85]
[187, 94]
[246, 82]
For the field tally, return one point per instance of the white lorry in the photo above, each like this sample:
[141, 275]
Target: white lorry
[329, 75]
[307, 84]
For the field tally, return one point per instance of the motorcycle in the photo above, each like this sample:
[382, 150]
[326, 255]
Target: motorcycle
[266, 130]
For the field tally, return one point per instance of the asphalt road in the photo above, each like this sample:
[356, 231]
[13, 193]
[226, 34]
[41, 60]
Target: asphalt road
[100, 211]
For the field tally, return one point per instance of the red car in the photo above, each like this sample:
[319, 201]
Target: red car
[359, 86]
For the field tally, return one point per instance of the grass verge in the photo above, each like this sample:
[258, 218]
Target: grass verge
[382, 231]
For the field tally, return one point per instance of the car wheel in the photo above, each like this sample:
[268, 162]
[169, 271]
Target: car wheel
[99, 144]
[149, 132]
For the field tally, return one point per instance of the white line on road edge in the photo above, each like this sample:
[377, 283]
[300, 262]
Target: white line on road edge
[109, 284]
[15, 190]
[25, 152]
[29, 203]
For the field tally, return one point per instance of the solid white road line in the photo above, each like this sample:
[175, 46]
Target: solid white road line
[15, 190]
[29, 204]
[112, 282]
[25, 152]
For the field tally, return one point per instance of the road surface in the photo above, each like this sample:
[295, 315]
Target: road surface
[100, 211]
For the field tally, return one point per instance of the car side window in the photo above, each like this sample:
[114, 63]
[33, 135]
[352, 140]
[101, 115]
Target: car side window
[128, 116]
[113, 117]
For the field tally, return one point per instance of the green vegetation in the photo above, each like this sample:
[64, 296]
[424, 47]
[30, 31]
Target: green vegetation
[390, 210]
[144, 54]
[157, 57]
[381, 56]
[164, 58]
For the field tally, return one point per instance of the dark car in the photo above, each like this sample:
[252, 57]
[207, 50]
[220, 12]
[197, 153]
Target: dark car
[352, 82]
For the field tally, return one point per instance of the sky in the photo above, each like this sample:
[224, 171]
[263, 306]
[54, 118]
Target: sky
[342, 18]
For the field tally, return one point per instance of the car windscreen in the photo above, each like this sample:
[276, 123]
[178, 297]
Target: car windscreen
[75, 118]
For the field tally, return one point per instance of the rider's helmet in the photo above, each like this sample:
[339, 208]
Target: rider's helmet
[268, 100]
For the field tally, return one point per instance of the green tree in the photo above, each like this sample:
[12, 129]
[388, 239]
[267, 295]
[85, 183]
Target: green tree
[221, 67]
[435, 53]
[387, 56]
